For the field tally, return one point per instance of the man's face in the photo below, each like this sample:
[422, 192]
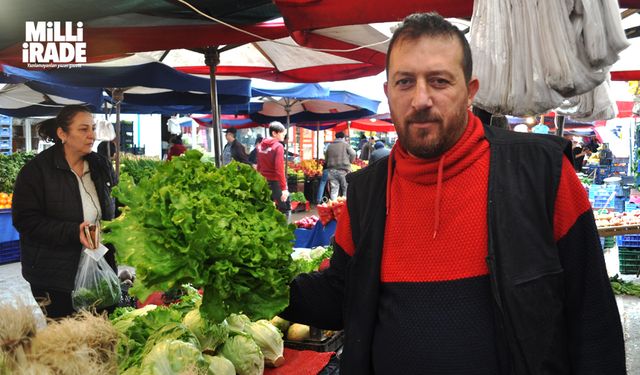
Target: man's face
[428, 95]
[229, 137]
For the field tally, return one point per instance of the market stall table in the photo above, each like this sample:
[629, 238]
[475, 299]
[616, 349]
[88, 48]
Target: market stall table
[320, 235]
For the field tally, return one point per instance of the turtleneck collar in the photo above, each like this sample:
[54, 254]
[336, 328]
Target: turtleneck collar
[462, 155]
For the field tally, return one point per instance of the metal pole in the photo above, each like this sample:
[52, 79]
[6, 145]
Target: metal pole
[118, 95]
[287, 108]
[212, 59]
[318, 141]
[559, 121]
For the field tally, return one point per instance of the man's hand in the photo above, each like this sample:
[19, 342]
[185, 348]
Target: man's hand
[285, 195]
[83, 239]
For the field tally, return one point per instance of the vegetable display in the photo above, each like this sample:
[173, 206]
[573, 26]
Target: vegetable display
[215, 228]
[10, 165]
[620, 286]
[169, 340]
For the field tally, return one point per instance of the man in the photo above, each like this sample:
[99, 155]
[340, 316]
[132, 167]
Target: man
[233, 150]
[271, 166]
[578, 156]
[338, 159]
[253, 155]
[456, 255]
[367, 149]
[379, 152]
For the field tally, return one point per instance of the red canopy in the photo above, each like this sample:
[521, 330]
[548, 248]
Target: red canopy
[366, 124]
[319, 14]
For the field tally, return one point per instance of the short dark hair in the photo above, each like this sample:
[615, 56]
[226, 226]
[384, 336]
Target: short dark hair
[340, 135]
[48, 129]
[431, 24]
[276, 127]
[176, 140]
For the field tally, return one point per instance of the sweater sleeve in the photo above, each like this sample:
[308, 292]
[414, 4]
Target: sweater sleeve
[28, 212]
[316, 298]
[279, 167]
[595, 337]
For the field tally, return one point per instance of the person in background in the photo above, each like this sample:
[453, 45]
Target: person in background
[57, 194]
[271, 166]
[457, 254]
[578, 156]
[253, 155]
[107, 149]
[379, 152]
[367, 149]
[338, 157]
[233, 150]
[176, 148]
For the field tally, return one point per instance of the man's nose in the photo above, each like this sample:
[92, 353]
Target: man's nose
[421, 96]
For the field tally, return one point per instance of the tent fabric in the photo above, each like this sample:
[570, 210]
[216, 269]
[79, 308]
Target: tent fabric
[301, 91]
[126, 26]
[303, 14]
[366, 125]
[228, 121]
[627, 75]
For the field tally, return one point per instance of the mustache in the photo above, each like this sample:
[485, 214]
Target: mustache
[423, 116]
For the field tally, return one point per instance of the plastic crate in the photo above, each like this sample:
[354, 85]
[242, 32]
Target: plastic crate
[629, 240]
[330, 344]
[9, 252]
[607, 242]
[629, 260]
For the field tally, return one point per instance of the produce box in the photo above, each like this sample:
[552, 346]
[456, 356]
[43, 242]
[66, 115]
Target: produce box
[321, 344]
[7, 231]
[9, 252]
[629, 240]
[629, 261]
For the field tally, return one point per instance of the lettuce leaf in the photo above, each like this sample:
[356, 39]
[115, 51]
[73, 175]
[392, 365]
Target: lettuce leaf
[215, 228]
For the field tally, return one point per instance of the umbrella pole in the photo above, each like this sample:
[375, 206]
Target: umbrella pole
[212, 59]
[559, 120]
[118, 95]
[287, 109]
[318, 141]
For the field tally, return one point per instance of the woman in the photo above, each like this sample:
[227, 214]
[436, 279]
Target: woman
[57, 194]
[176, 148]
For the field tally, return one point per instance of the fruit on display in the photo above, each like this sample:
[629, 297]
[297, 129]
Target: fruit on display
[5, 200]
[307, 222]
[615, 219]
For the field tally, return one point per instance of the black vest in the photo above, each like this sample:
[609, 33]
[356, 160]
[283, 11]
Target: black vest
[523, 260]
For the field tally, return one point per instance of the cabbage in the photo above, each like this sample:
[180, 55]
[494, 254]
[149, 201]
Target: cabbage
[236, 323]
[219, 365]
[172, 357]
[209, 334]
[269, 339]
[170, 332]
[245, 355]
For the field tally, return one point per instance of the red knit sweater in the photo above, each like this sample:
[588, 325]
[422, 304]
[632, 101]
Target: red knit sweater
[434, 309]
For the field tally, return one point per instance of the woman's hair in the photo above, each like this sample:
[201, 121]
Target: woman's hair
[176, 140]
[48, 129]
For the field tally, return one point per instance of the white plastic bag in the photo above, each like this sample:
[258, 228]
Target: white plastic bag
[97, 285]
[105, 131]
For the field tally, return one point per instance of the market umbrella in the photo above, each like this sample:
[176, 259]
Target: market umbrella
[366, 124]
[336, 106]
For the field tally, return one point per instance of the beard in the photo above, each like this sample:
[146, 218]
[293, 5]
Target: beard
[417, 141]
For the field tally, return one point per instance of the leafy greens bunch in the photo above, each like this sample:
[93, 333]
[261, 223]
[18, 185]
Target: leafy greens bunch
[215, 228]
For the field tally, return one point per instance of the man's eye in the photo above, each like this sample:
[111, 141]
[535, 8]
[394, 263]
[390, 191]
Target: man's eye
[439, 82]
[403, 82]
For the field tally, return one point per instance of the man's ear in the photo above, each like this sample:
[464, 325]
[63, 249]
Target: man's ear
[472, 88]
